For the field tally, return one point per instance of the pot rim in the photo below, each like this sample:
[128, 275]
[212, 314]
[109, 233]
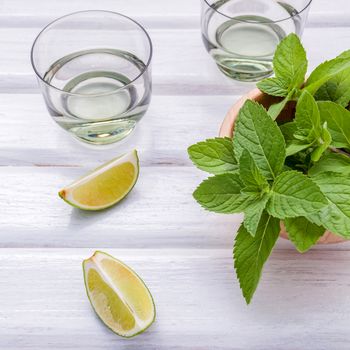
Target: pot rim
[231, 115]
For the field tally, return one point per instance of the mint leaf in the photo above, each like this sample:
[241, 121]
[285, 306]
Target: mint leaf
[273, 87]
[257, 186]
[324, 141]
[306, 128]
[326, 71]
[335, 162]
[222, 194]
[250, 253]
[307, 116]
[289, 62]
[294, 145]
[336, 89]
[250, 173]
[294, 194]
[253, 213]
[288, 131]
[257, 133]
[335, 217]
[338, 122]
[290, 66]
[303, 233]
[214, 155]
[345, 54]
[277, 108]
[306, 131]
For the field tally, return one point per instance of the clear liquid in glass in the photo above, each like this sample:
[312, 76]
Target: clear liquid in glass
[243, 46]
[103, 101]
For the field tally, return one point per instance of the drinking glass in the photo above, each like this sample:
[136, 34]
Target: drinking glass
[242, 35]
[94, 71]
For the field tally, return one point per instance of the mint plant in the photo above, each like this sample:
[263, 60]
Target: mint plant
[295, 172]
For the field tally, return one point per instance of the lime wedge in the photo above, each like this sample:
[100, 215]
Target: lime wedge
[118, 295]
[104, 186]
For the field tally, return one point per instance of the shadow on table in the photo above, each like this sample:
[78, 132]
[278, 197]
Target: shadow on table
[80, 219]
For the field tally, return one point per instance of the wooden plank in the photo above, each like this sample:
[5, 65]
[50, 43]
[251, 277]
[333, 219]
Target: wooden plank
[181, 65]
[30, 137]
[302, 302]
[160, 212]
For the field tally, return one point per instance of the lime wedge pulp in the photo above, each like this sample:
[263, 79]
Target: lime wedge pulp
[104, 186]
[118, 295]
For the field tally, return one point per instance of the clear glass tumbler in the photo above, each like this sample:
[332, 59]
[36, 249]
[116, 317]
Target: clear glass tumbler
[94, 70]
[242, 35]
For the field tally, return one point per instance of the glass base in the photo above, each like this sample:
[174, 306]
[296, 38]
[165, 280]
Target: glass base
[247, 71]
[103, 133]
[98, 102]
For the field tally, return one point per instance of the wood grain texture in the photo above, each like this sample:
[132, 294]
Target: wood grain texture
[302, 302]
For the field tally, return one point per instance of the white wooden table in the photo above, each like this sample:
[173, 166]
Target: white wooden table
[182, 252]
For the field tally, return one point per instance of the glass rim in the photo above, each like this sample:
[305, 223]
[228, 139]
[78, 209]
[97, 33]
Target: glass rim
[245, 21]
[147, 65]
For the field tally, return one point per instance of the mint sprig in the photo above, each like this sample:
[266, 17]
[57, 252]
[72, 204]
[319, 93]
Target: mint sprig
[295, 171]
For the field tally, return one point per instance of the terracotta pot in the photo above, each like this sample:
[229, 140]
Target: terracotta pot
[227, 129]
